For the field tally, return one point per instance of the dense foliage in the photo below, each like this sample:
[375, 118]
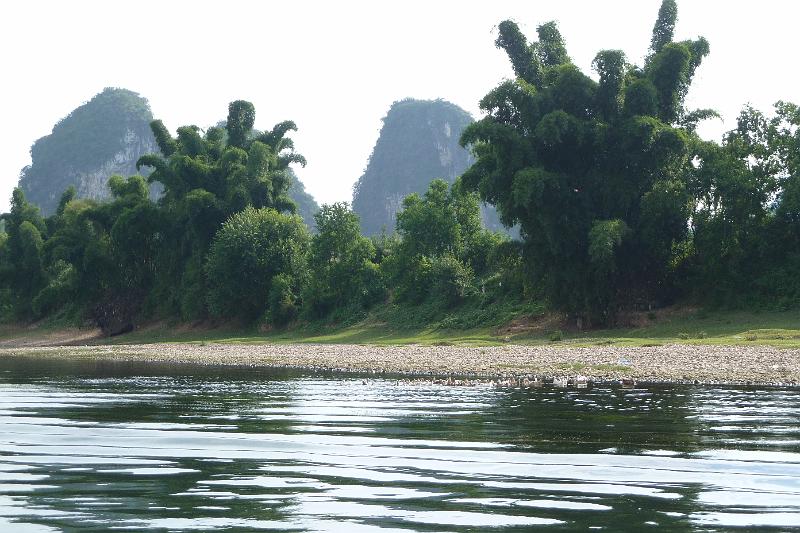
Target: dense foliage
[208, 177]
[221, 241]
[621, 206]
[746, 217]
[443, 251]
[21, 269]
[595, 172]
[117, 260]
[266, 250]
[343, 276]
[106, 135]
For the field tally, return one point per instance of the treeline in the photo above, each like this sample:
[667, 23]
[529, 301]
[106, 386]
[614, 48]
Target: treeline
[621, 206]
[223, 241]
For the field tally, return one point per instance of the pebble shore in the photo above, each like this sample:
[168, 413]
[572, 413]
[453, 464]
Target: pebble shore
[668, 363]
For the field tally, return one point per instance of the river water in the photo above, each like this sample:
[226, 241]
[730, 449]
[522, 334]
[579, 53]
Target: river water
[105, 446]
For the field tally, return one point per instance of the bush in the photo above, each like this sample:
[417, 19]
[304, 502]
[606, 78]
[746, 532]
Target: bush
[193, 291]
[282, 301]
[59, 291]
[450, 281]
[342, 273]
[249, 251]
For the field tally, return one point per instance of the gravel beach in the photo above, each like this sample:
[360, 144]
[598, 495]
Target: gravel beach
[667, 363]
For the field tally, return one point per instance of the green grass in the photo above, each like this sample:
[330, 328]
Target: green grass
[470, 324]
[475, 326]
[383, 326]
[773, 328]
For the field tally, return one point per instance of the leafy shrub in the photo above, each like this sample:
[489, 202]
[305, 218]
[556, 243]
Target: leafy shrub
[59, 291]
[342, 274]
[282, 300]
[249, 251]
[450, 280]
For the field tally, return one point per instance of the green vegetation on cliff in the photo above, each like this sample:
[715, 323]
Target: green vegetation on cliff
[417, 144]
[114, 122]
[103, 137]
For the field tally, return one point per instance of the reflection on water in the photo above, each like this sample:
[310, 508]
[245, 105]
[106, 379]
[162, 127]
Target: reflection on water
[116, 446]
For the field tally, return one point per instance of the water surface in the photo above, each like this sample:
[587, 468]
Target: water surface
[105, 446]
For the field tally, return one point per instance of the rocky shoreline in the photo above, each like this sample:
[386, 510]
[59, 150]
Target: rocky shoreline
[675, 363]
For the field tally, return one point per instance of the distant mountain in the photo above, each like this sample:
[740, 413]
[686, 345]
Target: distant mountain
[103, 137]
[417, 144]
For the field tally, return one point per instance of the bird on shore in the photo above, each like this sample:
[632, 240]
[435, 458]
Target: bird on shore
[534, 383]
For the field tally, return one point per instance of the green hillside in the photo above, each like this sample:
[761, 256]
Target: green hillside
[417, 144]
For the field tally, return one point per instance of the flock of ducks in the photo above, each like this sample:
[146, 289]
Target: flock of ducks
[579, 382]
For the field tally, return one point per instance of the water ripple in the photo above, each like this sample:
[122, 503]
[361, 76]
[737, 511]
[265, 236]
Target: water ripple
[133, 449]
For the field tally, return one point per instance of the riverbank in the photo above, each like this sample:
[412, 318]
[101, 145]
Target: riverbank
[385, 326]
[666, 363]
[674, 325]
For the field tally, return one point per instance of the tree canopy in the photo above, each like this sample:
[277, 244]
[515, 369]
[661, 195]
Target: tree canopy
[593, 171]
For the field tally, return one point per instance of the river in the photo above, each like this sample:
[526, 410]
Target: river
[105, 446]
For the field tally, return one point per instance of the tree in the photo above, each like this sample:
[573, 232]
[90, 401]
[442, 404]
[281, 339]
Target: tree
[21, 262]
[71, 280]
[257, 258]
[342, 274]
[443, 247]
[594, 172]
[745, 224]
[30, 278]
[207, 177]
[664, 27]
[116, 260]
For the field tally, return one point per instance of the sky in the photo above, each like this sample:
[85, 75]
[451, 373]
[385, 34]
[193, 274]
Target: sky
[335, 67]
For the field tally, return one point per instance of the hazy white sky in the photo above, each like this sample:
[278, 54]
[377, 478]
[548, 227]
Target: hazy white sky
[335, 67]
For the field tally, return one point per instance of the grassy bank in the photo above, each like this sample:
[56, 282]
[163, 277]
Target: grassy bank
[780, 329]
[681, 344]
[517, 324]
